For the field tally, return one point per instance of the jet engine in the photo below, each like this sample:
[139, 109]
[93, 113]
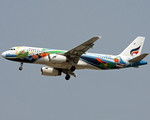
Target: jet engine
[50, 71]
[57, 58]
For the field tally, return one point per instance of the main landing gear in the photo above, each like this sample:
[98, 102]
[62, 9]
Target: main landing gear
[73, 68]
[20, 68]
[69, 72]
[67, 77]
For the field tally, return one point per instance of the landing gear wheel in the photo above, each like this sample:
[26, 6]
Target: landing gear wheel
[67, 77]
[20, 68]
[73, 68]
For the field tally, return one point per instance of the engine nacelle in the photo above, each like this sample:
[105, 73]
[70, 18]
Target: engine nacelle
[55, 58]
[50, 71]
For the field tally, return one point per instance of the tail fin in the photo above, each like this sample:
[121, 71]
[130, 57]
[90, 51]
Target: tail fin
[135, 48]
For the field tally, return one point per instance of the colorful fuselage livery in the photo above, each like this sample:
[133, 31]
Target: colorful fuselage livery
[61, 61]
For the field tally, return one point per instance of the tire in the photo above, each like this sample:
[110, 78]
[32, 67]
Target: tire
[20, 68]
[73, 68]
[67, 77]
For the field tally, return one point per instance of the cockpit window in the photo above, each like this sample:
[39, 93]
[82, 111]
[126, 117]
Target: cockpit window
[12, 49]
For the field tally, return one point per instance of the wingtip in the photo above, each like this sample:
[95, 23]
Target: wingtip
[100, 36]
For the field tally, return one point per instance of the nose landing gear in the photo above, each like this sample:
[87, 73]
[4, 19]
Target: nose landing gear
[20, 68]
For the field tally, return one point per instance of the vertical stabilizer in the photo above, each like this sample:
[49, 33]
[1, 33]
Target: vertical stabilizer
[135, 48]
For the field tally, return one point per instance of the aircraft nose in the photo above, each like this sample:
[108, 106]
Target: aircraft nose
[4, 54]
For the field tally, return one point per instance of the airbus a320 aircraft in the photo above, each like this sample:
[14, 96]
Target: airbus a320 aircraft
[61, 61]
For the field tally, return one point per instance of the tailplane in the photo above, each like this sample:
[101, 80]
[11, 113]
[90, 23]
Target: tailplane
[135, 48]
[138, 58]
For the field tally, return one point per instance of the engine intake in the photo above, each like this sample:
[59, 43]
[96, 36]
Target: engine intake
[47, 71]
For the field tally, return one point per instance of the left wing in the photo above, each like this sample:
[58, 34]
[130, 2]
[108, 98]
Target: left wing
[74, 54]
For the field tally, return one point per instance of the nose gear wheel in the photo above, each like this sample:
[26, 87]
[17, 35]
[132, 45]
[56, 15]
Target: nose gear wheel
[20, 68]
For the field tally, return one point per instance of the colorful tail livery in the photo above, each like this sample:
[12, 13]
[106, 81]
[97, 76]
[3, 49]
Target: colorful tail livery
[62, 61]
[135, 48]
[135, 51]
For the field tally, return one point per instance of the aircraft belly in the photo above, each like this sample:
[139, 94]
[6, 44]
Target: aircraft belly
[59, 65]
[65, 65]
[40, 61]
[86, 65]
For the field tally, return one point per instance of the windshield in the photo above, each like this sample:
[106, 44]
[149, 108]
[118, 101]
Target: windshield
[12, 49]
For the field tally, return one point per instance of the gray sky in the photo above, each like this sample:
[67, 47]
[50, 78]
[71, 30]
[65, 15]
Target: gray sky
[64, 24]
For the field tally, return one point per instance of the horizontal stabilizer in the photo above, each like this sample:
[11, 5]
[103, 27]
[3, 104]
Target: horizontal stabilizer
[138, 58]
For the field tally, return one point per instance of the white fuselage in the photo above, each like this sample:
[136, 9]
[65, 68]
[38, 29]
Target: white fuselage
[87, 61]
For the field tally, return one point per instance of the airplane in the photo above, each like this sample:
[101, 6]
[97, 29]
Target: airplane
[62, 61]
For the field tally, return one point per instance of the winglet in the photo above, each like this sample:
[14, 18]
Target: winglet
[100, 36]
